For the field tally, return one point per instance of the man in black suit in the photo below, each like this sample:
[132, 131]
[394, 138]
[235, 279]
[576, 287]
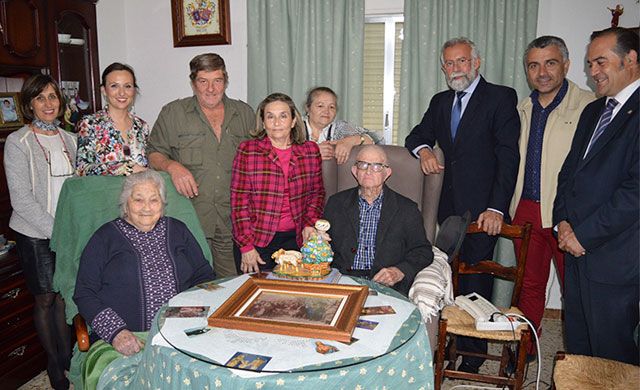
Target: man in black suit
[476, 125]
[597, 206]
[376, 232]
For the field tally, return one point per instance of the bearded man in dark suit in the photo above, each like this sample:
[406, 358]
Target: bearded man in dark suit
[477, 126]
[597, 206]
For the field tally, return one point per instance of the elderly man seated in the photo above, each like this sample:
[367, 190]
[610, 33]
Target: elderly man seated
[376, 232]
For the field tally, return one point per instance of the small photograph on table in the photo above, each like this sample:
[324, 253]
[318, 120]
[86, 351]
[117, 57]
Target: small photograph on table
[294, 307]
[248, 361]
[209, 286]
[377, 310]
[186, 311]
[366, 324]
[325, 348]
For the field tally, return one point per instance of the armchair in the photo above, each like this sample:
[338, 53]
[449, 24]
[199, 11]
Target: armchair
[85, 204]
[408, 180]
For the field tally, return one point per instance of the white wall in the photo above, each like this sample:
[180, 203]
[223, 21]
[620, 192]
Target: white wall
[574, 20]
[140, 34]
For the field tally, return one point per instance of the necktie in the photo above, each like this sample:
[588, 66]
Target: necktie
[456, 113]
[605, 118]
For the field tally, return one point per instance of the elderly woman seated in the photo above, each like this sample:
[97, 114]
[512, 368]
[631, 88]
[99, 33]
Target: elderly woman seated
[134, 264]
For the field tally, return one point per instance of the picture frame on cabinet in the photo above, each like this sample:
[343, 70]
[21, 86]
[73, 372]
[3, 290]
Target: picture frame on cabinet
[10, 113]
[200, 22]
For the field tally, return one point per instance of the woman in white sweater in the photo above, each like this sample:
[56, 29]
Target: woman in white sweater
[38, 158]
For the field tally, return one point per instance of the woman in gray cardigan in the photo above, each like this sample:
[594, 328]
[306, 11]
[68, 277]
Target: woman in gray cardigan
[38, 158]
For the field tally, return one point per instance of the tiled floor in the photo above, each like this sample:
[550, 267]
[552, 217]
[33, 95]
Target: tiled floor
[550, 343]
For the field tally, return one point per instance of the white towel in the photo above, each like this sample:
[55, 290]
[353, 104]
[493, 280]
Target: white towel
[432, 288]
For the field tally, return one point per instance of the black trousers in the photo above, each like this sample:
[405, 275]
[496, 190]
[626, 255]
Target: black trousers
[599, 319]
[281, 240]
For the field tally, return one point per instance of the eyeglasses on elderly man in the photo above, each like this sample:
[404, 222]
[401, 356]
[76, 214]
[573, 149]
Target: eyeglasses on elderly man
[375, 166]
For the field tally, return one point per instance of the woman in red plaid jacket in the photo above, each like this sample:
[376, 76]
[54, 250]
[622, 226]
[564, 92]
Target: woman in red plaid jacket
[277, 192]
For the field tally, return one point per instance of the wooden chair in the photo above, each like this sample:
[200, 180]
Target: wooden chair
[456, 322]
[578, 372]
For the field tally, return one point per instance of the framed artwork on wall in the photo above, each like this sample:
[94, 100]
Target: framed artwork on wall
[312, 310]
[200, 22]
[10, 114]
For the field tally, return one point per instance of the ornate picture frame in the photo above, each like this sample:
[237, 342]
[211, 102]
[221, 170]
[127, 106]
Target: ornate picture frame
[312, 310]
[199, 23]
[10, 112]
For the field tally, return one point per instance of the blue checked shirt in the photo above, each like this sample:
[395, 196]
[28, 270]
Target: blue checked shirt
[369, 218]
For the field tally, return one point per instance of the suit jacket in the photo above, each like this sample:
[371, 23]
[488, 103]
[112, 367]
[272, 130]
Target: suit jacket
[400, 238]
[556, 141]
[481, 164]
[598, 195]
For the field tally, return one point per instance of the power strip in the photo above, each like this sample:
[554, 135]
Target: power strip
[502, 323]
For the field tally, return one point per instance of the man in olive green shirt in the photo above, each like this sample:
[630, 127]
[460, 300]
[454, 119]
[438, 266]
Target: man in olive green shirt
[195, 140]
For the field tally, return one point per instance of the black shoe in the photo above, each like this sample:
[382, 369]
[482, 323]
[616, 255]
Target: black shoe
[467, 367]
[62, 384]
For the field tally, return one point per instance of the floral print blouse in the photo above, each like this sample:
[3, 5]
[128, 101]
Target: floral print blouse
[103, 151]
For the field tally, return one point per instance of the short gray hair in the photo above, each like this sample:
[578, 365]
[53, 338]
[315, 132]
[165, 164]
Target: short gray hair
[544, 41]
[475, 53]
[138, 178]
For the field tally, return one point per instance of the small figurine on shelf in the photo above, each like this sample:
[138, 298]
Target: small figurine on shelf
[615, 14]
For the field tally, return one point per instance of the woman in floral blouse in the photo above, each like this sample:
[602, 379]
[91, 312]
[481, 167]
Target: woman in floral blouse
[112, 141]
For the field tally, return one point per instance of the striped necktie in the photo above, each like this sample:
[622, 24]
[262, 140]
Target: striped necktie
[605, 119]
[456, 113]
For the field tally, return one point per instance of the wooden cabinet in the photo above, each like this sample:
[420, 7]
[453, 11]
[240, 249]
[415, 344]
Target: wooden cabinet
[29, 44]
[21, 355]
[23, 26]
[77, 61]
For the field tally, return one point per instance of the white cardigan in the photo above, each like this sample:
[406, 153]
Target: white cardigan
[28, 179]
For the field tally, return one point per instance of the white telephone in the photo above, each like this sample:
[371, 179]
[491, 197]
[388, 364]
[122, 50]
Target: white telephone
[483, 311]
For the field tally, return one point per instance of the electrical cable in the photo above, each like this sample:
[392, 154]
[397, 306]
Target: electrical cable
[513, 329]
[535, 335]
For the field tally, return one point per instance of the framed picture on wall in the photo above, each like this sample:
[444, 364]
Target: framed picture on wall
[10, 114]
[200, 22]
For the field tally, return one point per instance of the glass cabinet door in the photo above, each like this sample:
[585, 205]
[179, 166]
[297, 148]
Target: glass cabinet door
[75, 68]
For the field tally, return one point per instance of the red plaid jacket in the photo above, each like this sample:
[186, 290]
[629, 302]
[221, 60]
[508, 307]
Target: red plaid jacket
[257, 186]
